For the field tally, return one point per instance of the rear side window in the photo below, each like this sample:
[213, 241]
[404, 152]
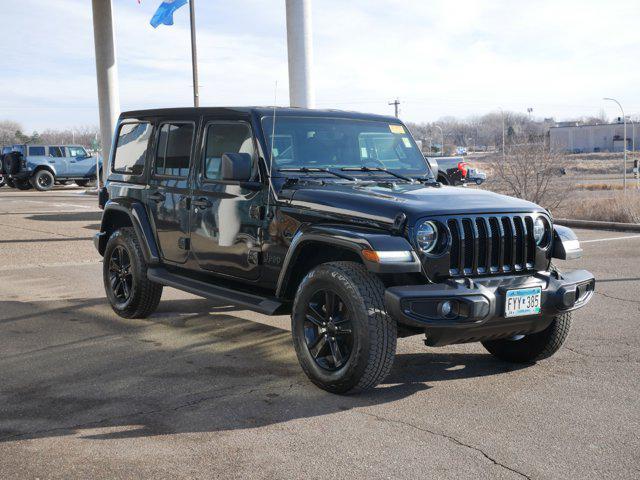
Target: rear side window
[225, 138]
[174, 149]
[36, 151]
[131, 149]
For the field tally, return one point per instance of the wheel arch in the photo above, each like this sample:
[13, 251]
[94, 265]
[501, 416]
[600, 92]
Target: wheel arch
[119, 214]
[315, 245]
[50, 169]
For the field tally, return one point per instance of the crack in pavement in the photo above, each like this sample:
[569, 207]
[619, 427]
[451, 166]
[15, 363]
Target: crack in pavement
[448, 437]
[617, 298]
[101, 422]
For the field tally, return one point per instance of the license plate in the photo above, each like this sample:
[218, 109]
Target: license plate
[524, 301]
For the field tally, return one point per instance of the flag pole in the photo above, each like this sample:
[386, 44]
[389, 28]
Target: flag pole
[194, 56]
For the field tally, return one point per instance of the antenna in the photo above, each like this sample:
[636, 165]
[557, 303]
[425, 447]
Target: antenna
[273, 134]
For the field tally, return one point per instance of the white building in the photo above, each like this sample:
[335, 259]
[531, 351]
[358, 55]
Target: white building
[606, 137]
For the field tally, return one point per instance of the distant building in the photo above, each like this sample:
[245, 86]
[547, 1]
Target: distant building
[605, 137]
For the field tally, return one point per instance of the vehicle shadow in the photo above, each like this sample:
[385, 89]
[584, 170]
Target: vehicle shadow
[192, 367]
[67, 217]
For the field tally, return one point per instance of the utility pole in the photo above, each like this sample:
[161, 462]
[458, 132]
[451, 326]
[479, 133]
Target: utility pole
[396, 104]
[624, 143]
[194, 54]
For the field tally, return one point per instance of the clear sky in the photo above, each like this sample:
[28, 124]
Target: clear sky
[440, 57]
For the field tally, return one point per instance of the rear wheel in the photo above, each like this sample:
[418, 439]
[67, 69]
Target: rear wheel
[344, 339]
[533, 347]
[2, 181]
[43, 180]
[23, 185]
[130, 293]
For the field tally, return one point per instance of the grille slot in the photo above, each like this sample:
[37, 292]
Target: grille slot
[488, 244]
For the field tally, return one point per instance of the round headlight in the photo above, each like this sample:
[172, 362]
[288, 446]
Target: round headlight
[426, 236]
[539, 230]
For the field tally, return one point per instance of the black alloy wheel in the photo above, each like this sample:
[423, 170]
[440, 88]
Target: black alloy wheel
[328, 330]
[120, 275]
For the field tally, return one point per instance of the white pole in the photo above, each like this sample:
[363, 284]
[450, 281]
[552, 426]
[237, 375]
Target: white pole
[624, 143]
[300, 49]
[107, 76]
[442, 135]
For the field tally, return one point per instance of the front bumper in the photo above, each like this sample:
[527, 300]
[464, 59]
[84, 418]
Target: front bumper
[480, 304]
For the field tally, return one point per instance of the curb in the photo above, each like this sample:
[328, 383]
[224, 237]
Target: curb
[622, 227]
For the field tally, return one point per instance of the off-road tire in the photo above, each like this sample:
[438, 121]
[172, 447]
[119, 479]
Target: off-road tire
[374, 331]
[82, 183]
[145, 294]
[11, 183]
[535, 346]
[43, 180]
[23, 184]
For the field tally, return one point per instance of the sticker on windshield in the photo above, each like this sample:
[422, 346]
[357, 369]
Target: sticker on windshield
[396, 128]
[406, 142]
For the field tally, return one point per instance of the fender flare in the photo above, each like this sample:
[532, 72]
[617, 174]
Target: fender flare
[51, 169]
[350, 238]
[139, 220]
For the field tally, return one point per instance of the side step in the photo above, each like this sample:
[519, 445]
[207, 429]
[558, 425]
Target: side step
[257, 303]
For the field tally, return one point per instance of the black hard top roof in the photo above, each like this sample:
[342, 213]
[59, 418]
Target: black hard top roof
[258, 111]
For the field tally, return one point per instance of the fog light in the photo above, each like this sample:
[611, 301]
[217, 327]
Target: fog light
[445, 308]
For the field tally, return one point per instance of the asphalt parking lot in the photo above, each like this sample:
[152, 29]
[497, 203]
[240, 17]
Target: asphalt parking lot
[200, 390]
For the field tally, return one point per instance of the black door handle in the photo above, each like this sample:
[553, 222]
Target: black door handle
[201, 203]
[157, 197]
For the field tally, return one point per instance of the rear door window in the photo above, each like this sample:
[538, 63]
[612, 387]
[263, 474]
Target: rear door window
[56, 152]
[173, 152]
[131, 148]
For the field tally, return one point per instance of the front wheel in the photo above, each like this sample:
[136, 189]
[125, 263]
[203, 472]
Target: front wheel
[124, 271]
[535, 346]
[344, 339]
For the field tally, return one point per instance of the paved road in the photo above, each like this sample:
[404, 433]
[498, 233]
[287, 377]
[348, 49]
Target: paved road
[203, 391]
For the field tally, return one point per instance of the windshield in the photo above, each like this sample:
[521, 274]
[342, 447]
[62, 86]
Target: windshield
[312, 142]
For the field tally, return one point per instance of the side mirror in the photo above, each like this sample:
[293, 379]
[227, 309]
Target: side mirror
[236, 167]
[433, 165]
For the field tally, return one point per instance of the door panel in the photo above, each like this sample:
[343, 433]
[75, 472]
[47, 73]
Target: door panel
[168, 198]
[225, 230]
[56, 158]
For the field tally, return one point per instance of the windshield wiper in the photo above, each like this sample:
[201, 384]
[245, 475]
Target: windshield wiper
[376, 169]
[318, 170]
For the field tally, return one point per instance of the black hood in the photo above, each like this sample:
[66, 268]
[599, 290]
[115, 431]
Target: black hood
[381, 203]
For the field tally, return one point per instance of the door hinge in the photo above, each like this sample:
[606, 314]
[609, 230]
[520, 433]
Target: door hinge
[184, 243]
[253, 258]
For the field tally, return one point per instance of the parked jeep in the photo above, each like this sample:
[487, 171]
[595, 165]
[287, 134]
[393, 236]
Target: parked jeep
[307, 212]
[42, 166]
[456, 171]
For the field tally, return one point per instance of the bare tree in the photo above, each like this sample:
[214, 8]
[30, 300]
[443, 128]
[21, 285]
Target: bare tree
[10, 132]
[531, 172]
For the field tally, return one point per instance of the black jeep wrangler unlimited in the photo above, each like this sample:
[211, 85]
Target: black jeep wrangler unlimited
[335, 217]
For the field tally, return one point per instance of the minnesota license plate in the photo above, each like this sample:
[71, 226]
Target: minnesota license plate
[524, 301]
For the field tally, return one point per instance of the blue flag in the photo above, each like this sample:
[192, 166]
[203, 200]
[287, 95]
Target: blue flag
[164, 14]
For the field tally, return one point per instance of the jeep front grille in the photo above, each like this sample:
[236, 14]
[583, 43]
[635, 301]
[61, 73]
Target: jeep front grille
[486, 244]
